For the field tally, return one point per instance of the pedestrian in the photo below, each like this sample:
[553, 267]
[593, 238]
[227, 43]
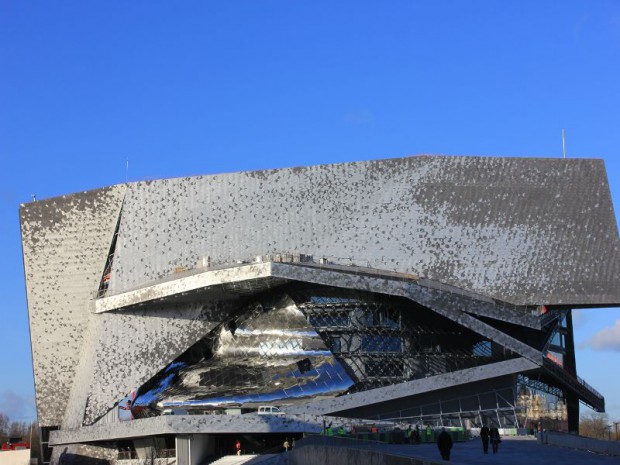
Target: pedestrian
[444, 444]
[238, 447]
[286, 445]
[495, 438]
[484, 437]
[429, 433]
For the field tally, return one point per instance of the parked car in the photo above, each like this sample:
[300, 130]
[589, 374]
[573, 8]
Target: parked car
[174, 411]
[269, 410]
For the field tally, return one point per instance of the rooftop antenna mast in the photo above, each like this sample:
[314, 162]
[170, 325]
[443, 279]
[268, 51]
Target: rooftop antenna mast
[563, 143]
[127, 169]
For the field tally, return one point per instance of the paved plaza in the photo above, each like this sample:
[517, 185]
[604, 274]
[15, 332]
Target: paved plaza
[512, 451]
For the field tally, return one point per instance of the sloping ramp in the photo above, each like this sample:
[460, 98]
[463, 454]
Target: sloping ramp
[265, 459]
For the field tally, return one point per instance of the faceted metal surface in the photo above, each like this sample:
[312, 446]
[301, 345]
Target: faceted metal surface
[521, 230]
[300, 342]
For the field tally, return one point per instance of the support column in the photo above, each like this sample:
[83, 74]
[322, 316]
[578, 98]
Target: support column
[201, 446]
[183, 449]
[570, 365]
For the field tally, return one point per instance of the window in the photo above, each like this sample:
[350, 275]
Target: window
[329, 320]
[384, 368]
[335, 344]
[558, 340]
[381, 344]
[556, 357]
[482, 349]
[385, 317]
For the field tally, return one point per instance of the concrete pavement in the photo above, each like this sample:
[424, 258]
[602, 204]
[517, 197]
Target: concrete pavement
[512, 451]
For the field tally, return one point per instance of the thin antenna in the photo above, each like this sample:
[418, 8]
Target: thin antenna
[126, 170]
[563, 142]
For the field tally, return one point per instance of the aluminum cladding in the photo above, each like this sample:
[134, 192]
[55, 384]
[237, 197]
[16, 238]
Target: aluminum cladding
[523, 230]
[526, 231]
[128, 347]
[65, 244]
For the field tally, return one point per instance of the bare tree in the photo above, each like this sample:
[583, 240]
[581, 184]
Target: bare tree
[27, 432]
[4, 425]
[594, 425]
[20, 430]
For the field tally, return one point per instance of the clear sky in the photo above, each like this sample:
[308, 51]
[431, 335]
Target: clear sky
[185, 88]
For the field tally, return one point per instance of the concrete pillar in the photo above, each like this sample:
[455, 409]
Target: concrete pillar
[201, 446]
[183, 449]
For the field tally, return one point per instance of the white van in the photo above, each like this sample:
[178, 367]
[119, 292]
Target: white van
[174, 411]
[269, 410]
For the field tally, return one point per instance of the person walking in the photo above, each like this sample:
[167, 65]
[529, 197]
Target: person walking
[286, 445]
[444, 444]
[238, 447]
[484, 437]
[495, 438]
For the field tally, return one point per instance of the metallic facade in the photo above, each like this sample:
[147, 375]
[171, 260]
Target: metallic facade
[357, 289]
[483, 224]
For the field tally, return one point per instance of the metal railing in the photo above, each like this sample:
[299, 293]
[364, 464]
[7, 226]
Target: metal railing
[327, 262]
[151, 453]
[587, 393]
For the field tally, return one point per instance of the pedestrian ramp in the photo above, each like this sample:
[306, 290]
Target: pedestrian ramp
[263, 459]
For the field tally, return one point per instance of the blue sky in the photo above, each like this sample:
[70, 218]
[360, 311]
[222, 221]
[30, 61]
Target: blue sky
[184, 88]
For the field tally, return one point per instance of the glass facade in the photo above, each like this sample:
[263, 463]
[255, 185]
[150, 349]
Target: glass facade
[556, 346]
[384, 340]
[541, 403]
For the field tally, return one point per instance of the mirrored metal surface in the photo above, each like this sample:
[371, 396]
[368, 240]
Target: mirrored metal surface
[268, 354]
[301, 342]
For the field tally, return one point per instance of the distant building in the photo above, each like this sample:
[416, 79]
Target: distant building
[433, 290]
